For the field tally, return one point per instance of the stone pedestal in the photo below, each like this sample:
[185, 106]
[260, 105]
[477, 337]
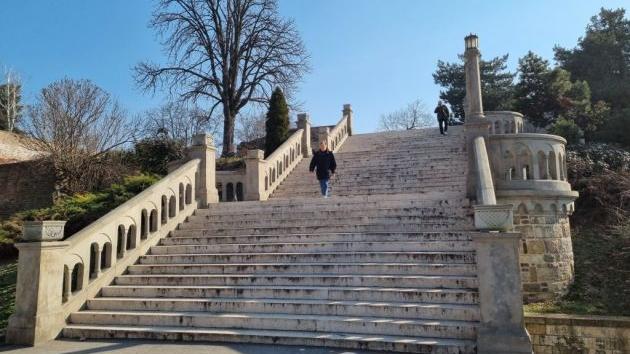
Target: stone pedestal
[501, 329]
[204, 150]
[304, 123]
[38, 307]
[255, 182]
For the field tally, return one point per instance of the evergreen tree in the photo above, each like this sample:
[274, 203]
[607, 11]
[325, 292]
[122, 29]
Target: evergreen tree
[497, 88]
[533, 95]
[277, 123]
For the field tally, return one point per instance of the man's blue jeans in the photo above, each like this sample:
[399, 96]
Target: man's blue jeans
[323, 184]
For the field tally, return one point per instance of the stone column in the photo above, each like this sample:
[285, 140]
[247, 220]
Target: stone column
[204, 150]
[347, 111]
[255, 166]
[39, 313]
[485, 186]
[502, 328]
[475, 124]
[324, 135]
[304, 122]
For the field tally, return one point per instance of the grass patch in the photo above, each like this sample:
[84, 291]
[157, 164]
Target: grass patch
[8, 278]
[602, 275]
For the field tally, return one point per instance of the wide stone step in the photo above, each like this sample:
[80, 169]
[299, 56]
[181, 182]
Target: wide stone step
[277, 230]
[283, 247]
[182, 275]
[342, 340]
[303, 214]
[196, 255]
[378, 191]
[386, 268]
[359, 183]
[393, 294]
[299, 307]
[284, 322]
[180, 237]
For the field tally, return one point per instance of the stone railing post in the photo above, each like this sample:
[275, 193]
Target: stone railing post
[304, 123]
[39, 315]
[204, 150]
[347, 111]
[485, 186]
[255, 183]
[324, 135]
[502, 327]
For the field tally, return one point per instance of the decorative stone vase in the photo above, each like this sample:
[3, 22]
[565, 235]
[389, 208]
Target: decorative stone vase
[43, 231]
[494, 217]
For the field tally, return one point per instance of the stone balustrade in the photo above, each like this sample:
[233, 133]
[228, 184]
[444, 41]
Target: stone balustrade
[56, 278]
[505, 122]
[261, 176]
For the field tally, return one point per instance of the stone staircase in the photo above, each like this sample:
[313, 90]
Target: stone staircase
[386, 264]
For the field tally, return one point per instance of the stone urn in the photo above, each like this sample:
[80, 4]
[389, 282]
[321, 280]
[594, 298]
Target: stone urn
[43, 231]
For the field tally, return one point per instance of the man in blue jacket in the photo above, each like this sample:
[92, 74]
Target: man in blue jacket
[324, 162]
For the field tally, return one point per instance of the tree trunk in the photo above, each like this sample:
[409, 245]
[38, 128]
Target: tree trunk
[229, 149]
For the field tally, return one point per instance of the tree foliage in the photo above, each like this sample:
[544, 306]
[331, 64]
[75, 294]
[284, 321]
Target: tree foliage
[154, 153]
[226, 52]
[497, 84]
[179, 121]
[277, 123]
[10, 101]
[602, 58]
[415, 115]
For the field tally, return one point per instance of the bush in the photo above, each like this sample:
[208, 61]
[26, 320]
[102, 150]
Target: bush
[568, 130]
[154, 154]
[79, 210]
[230, 163]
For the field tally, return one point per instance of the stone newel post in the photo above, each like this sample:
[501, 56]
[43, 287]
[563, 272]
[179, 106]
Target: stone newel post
[38, 300]
[304, 122]
[347, 111]
[255, 183]
[204, 150]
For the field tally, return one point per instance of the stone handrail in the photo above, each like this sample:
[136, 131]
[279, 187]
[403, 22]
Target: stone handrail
[282, 161]
[338, 134]
[56, 278]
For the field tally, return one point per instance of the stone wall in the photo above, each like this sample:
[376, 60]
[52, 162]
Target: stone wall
[25, 185]
[568, 334]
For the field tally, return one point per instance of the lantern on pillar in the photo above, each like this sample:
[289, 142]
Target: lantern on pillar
[472, 41]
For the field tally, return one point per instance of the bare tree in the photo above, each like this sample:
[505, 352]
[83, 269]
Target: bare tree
[179, 121]
[10, 95]
[251, 126]
[414, 116]
[77, 124]
[228, 52]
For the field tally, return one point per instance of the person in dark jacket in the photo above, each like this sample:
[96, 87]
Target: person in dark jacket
[324, 163]
[442, 115]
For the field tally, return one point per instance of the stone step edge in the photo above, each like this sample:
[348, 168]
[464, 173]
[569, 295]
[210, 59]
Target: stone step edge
[275, 316]
[297, 287]
[292, 275]
[320, 243]
[343, 340]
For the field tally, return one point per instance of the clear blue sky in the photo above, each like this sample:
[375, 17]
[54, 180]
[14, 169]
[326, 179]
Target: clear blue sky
[377, 55]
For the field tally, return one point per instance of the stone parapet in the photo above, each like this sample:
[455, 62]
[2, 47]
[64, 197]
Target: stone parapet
[505, 122]
[556, 333]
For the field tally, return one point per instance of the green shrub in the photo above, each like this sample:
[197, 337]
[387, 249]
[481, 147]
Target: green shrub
[79, 210]
[568, 130]
[154, 154]
[230, 163]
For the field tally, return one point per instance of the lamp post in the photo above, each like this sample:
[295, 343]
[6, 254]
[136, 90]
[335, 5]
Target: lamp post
[473, 78]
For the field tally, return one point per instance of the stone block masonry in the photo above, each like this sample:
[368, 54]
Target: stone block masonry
[552, 333]
[25, 185]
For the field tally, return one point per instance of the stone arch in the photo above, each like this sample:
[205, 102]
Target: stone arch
[229, 192]
[76, 278]
[239, 191]
[522, 209]
[188, 193]
[497, 127]
[120, 242]
[172, 207]
[94, 260]
[181, 196]
[144, 224]
[153, 221]
[106, 256]
[509, 165]
[554, 209]
[65, 286]
[131, 237]
[266, 182]
[524, 162]
[538, 209]
[561, 174]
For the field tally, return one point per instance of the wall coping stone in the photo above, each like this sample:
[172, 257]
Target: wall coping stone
[578, 320]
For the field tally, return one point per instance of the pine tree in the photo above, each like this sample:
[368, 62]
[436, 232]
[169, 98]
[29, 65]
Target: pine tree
[277, 123]
[533, 91]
